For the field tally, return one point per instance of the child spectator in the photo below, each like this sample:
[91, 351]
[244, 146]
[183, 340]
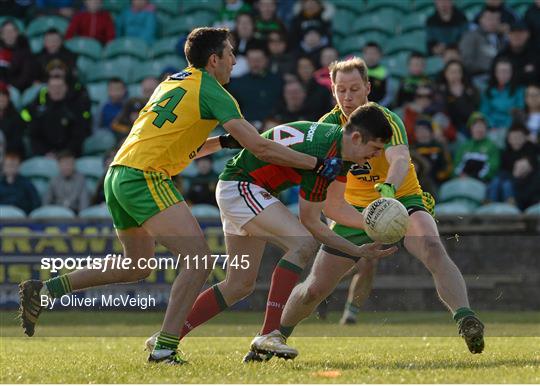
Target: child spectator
[138, 21]
[148, 85]
[202, 187]
[93, 22]
[477, 157]
[432, 151]
[311, 15]
[322, 75]
[445, 26]
[68, 189]
[381, 90]
[267, 20]
[15, 189]
[11, 123]
[501, 99]
[121, 125]
[116, 90]
[518, 182]
[17, 65]
[53, 49]
[416, 76]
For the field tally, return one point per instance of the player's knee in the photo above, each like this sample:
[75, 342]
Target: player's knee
[242, 289]
[314, 293]
[434, 252]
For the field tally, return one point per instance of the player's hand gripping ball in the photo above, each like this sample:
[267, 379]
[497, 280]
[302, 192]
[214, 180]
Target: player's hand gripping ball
[386, 220]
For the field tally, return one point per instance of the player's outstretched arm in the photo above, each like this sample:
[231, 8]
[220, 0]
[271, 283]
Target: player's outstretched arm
[310, 216]
[266, 150]
[339, 210]
[398, 157]
[214, 144]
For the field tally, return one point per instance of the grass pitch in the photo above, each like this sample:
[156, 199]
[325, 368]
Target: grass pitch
[94, 347]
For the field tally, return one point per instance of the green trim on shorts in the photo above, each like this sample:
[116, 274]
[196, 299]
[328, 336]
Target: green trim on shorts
[133, 196]
[359, 237]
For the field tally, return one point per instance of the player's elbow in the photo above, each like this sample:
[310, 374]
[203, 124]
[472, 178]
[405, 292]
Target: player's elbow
[261, 149]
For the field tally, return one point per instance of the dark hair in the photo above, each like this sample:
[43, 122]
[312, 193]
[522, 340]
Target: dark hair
[53, 30]
[256, 45]
[416, 54]
[65, 154]
[116, 80]
[464, 76]
[492, 84]
[373, 44]
[371, 122]
[202, 43]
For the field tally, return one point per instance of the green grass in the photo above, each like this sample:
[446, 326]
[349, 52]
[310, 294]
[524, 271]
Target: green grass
[383, 348]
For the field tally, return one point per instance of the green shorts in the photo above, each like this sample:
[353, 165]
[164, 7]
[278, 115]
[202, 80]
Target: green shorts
[413, 203]
[133, 196]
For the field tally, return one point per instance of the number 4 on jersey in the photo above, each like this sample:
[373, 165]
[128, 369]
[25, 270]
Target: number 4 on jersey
[287, 136]
[165, 112]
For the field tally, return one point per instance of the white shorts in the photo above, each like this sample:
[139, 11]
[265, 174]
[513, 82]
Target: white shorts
[239, 202]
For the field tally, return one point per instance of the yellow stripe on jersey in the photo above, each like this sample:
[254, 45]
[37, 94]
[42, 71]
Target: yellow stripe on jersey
[167, 190]
[159, 189]
[157, 198]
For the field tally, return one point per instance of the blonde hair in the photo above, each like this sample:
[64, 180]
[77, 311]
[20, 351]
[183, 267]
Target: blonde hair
[349, 65]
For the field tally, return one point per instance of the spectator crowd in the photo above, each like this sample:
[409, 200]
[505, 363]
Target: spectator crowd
[476, 115]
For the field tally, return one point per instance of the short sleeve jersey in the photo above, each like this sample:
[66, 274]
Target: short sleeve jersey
[176, 122]
[316, 139]
[361, 179]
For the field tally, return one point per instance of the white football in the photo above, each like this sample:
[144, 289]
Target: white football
[386, 220]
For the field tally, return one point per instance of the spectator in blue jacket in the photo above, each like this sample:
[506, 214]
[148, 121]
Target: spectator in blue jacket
[139, 21]
[501, 99]
[15, 189]
[116, 90]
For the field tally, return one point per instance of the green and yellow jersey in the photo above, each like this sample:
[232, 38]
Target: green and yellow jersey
[317, 139]
[176, 122]
[361, 179]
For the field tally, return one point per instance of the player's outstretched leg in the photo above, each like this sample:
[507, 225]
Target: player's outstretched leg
[423, 241]
[279, 226]
[137, 244]
[325, 275]
[359, 290]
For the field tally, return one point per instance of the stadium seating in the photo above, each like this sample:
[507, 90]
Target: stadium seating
[84, 46]
[454, 208]
[52, 211]
[165, 46]
[434, 65]
[36, 44]
[348, 6]
[99, 143]
[168, 6]
[355, 42]
[384, 21]
[17, 22]
[96, 211]
[412, 22]
[533, 210]
[39, 167]
[185, 23]
[205, 210]
[15, 97]
[90, 166]
[400, 5]
[126, 46]
[341, 29]
[413, 41]
[10, 211]
[41, 185]
[113, 68]
[397, 64]
[41, 24]
[467, 189]
[30, 94]
[190, 171]
[210, 6]
[497, 208]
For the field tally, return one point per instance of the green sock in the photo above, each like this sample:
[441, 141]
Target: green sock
[462, 312]
[286, 331]
[58, 286]
[166, 341]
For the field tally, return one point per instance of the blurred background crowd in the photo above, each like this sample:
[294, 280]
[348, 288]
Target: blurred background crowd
[464, 76]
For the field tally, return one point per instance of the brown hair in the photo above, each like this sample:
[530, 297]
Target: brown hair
[203, 42]
[349, 65]
[371, 122]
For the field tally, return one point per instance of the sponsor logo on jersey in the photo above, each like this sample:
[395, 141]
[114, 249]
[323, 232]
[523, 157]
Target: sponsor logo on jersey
[180, 75]
[361, 172]
[311, 132]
